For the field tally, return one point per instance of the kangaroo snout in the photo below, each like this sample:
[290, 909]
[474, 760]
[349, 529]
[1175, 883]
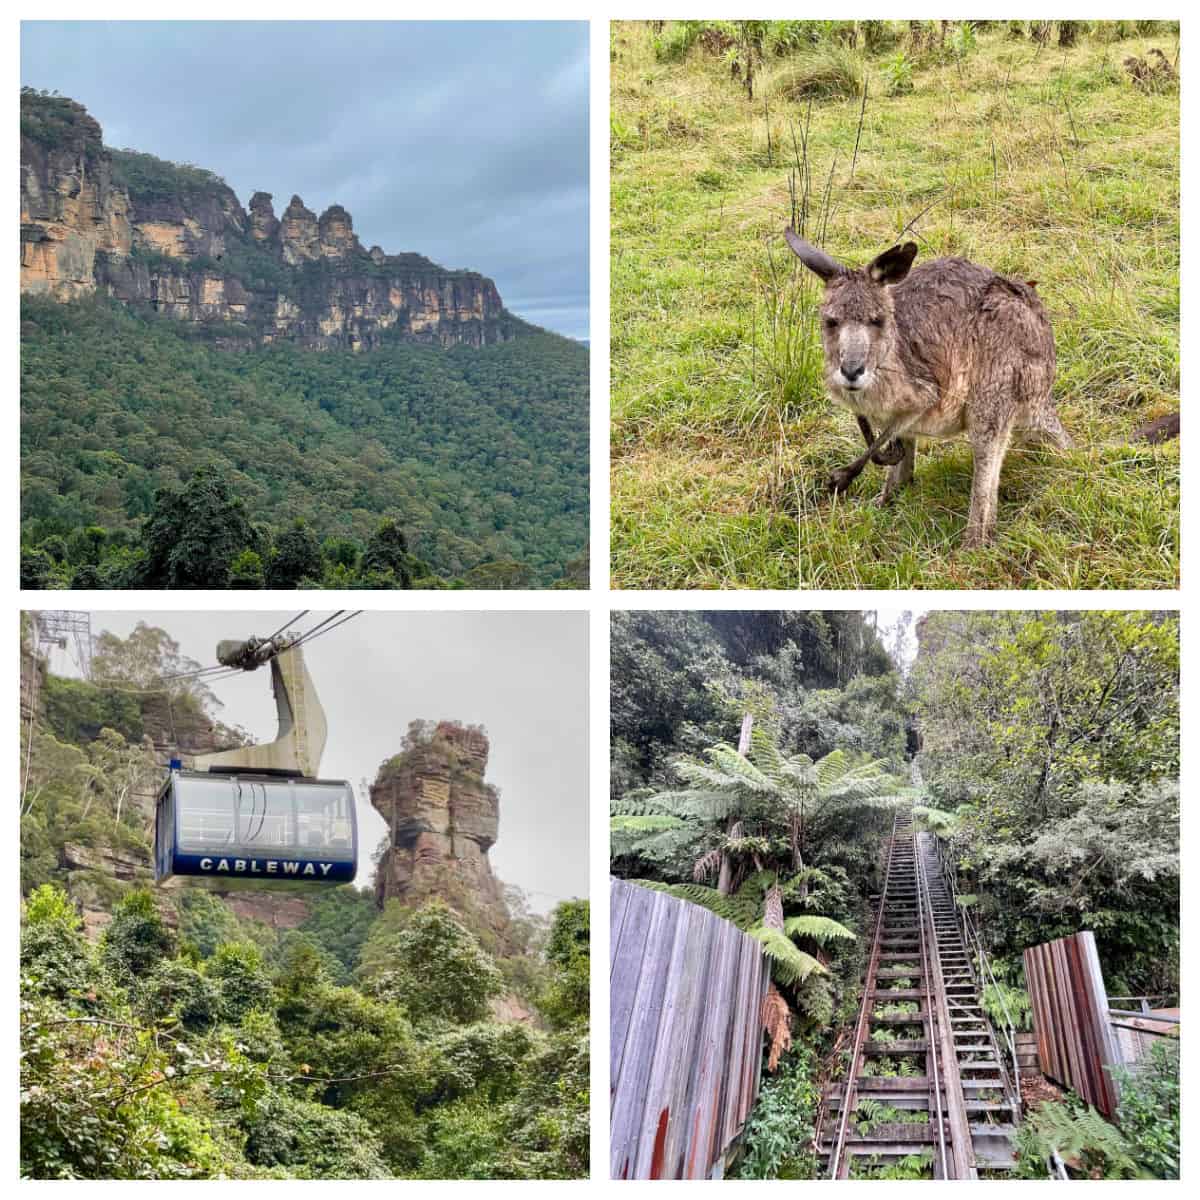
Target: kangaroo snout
[852, 373]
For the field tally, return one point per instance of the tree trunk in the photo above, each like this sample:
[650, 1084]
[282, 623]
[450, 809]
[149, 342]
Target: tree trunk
[725, 877]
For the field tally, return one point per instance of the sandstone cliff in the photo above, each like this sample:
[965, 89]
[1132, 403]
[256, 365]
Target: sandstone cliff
[175, 239]
[442, 820]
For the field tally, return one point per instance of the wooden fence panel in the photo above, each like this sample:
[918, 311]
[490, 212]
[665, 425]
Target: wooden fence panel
[686, 991]
[1070, 1018]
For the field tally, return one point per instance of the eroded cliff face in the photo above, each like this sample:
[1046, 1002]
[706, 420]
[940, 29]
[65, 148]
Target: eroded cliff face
[442, 820]
[177, 240]
[70, 209]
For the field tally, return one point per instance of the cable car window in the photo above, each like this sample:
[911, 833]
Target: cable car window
[266, 812]
[205, 813]
[323, 819]
[232, 814]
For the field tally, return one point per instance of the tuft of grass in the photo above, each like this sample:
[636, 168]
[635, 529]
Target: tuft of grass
[1043, 163]
[826, 70]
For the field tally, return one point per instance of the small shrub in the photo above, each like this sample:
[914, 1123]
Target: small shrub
[779, 1132]
[676, 40]
[898, 74]
[1149, 1112]
[963, 41]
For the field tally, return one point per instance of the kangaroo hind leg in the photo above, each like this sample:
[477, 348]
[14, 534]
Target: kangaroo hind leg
[990, 421]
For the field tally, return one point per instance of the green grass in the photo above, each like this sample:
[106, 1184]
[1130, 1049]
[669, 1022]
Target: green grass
[1041, 163]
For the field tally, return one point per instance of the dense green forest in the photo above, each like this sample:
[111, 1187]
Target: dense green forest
[479, 457]
[1042, 749]
[167, 1036]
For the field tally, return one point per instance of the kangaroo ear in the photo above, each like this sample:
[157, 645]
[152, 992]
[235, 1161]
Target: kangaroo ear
[817, 261]
[892, 265]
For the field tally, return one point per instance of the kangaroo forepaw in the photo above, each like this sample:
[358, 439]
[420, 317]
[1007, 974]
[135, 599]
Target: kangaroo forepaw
[890, 455]
[841, 479]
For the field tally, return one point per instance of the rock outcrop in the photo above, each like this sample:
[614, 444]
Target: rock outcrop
[176, 239]
[442, 820]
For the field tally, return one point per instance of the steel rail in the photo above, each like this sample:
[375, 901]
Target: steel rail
[837, 1151]
[932, 1042]
[963, 1154]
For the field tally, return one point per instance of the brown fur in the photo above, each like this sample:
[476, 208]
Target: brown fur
[947, 349]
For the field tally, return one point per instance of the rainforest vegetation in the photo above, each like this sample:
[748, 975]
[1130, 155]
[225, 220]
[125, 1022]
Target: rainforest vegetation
[166, 1034]
[409, 466]
[1045, 150]
[1041, 748]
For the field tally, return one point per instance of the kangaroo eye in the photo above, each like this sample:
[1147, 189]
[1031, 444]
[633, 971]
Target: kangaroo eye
[831, 323]
[877, 322]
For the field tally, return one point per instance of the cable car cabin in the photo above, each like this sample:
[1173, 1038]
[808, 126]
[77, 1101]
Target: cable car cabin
[255, 825]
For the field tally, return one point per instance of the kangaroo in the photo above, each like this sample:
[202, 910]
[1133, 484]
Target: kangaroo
[948, 349]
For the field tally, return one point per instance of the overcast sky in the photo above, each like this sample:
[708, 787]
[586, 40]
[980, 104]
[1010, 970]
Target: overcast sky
[463, 141]
[523, 676]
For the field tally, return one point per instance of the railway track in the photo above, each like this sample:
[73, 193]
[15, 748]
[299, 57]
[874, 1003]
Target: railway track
[926, 1077]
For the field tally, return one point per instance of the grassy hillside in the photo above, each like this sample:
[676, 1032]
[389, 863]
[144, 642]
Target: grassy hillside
[480, 455]
[1043, 162]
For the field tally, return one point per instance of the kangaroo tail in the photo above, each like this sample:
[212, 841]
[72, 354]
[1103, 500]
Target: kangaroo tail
[1162, 429]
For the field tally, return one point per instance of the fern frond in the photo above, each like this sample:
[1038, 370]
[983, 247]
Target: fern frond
[754, 887]
[765, 755]
[726, 768]
[642, 824]
[638, 802]
[662, 847]
[820, 929]
[777, 1020]
[702, 804]
[706, 865]
[831, 768]
[728, 908]
[789, 964]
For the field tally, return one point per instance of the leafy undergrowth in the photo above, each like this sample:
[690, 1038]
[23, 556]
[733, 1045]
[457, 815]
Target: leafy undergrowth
[1041, 162]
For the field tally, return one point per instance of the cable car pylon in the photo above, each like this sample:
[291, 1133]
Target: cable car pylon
[300, 741]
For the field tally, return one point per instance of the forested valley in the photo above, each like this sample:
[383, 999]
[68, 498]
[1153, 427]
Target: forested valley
[1040, 749]
[237, 1032]
[153, 458]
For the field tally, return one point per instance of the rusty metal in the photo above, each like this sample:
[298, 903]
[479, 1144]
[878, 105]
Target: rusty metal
[838, 1161]
[947, 1078]
[917, 934]
[1135, 1033]
[685, 1048]
[1076, 1045]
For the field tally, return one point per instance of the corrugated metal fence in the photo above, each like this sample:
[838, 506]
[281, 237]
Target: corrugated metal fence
[686, 991]
[1071, 1019]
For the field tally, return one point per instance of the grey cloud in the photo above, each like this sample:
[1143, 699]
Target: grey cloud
[465, 141]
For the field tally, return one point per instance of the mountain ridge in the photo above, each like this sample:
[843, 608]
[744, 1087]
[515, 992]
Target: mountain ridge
[175, 238]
